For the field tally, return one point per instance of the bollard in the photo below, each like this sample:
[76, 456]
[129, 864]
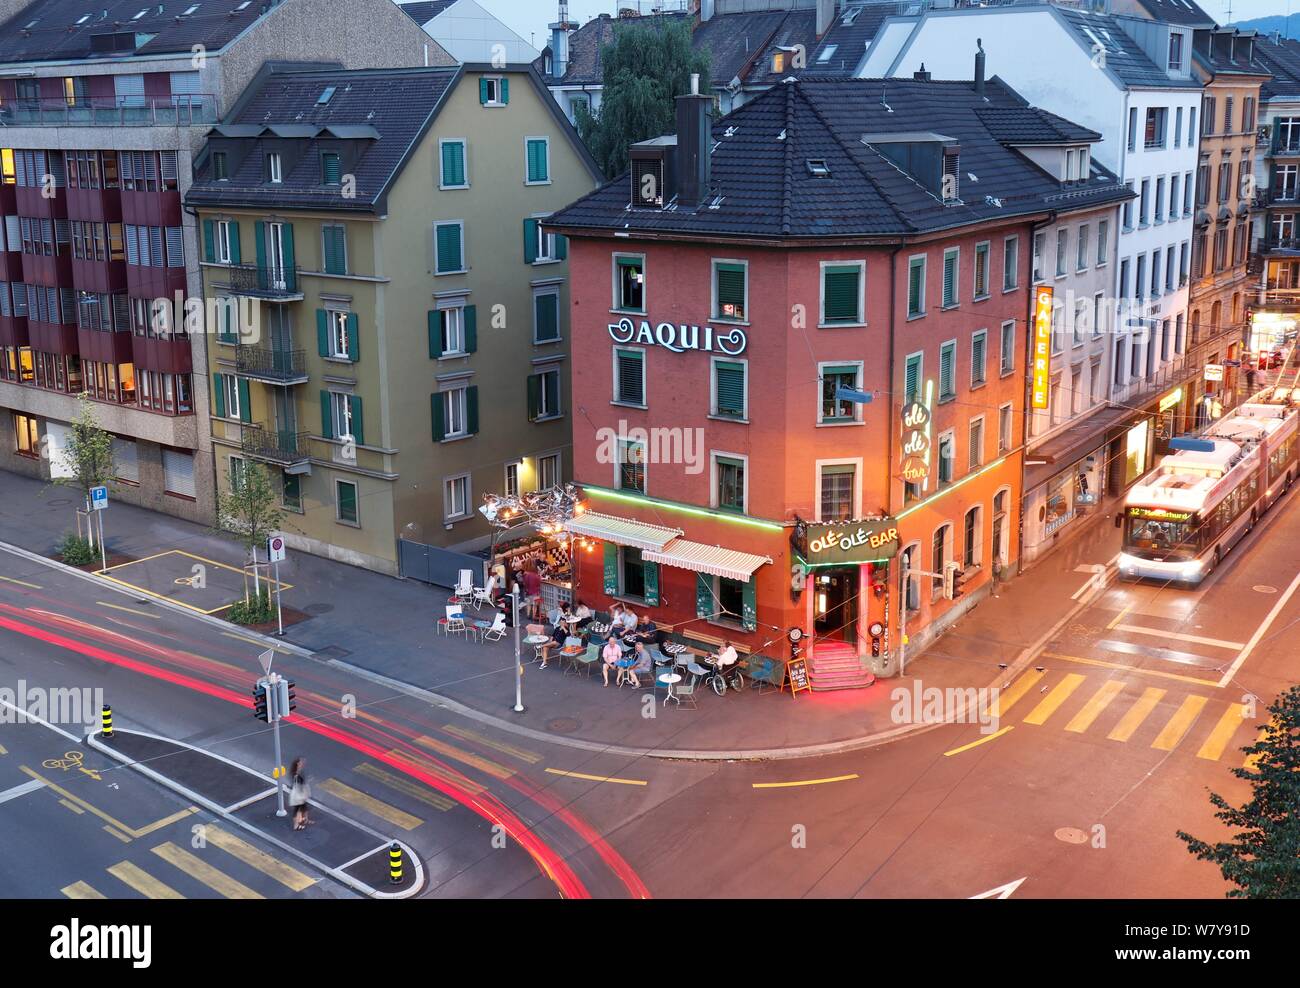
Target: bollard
[108, 722]
[395, 864]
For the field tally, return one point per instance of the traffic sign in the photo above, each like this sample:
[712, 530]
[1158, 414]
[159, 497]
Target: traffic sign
[275, 548]
[265, 658]
[98, 498]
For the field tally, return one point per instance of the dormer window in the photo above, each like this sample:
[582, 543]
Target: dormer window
[330, 172]
[647, 183]
[817, 168]
[1175, 52]
[274, 174]
[951, 189]
[219, 173]
[778, 62]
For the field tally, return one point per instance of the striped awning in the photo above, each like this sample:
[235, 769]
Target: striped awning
[711, 559]
[623, 531]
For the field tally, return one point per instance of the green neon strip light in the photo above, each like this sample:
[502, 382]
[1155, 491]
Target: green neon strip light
[874, 562]
[948, 490]
[685, 509]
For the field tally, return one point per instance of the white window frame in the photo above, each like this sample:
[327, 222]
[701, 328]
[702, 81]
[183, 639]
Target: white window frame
[274, 168]
[451, 321]
[949, 436]
[540, 373]
[1006, 423]
[338, 333]
[464, 159]
[977, 550]
[455, 402]
[236, 465]
[950, 346]
[341, 414]
[1010, 285]
[450, 515]
[861, 319]
[464, 266]
[713, 289]
[230, 393]
[1005, 368]
[541, 471]
[645, 395]
[986, 246]
[955, 253]
[494, 82]
[713, 388]
[979, 334]
[622, 444]
[818, 465]
[511, 484]
[911, 263]
[223, 242]
[858, 416]
[936, 586]
[547, 141]
[970, 427]
[714, 454]
[616, 285]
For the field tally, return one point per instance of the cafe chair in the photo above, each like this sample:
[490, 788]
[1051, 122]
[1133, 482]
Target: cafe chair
[684, 692]
[454, 622]
[464, 583]
[535, 629]
[587, 660]
[481, 597]
[498, 629]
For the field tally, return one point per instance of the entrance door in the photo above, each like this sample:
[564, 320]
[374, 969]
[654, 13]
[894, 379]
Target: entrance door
[835, 606]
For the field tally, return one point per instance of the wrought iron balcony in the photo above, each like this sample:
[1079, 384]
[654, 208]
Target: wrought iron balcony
[1282, 243]
[263, 281]
[282, 446]
[111, 111]
[274, 364]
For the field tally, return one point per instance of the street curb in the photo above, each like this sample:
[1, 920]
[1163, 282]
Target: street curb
[216, 622]
[92, 739]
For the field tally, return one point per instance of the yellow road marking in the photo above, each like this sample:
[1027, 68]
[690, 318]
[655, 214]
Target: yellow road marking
[606, 778]
[143, 882]
[1195, 639]
[1223, 731]
[1136, 714]
[82, 806]
[1179, 723]
[80, 890]
[157, 596]
[72, 806]
[523, 754]
[118, 834]
[145, 559]
[1081, 721]
[443, 772]
[1013, 693]
[21, 583]
[1119, 617]
[416, 790]
[129, 610]
[806, 782]
[987, 737]
[200, 870]
[3, 750]
[1133, 669]
[474, 761]
[263, 862]
[1060, 693]
[398, 818]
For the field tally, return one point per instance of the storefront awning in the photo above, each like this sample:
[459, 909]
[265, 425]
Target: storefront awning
[711, 559]
[623, 531]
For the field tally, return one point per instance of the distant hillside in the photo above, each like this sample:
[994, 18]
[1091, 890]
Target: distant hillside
[1276, 22]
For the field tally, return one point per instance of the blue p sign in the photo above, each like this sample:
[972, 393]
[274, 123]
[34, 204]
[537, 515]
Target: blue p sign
[98, 498]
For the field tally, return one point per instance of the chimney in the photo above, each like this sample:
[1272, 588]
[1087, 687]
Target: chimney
[979, 67]
[694, 142]
[921, 74]
[825, 16]
[560, 42]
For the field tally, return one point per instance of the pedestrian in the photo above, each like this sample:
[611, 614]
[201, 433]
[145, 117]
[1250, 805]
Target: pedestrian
[299, 793]
[533, 588]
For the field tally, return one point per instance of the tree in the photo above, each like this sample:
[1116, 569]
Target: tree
[251, 510]
[88, 456]
[1263, 859]
[646, 66]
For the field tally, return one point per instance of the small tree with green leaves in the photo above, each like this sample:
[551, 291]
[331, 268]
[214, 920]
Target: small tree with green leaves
[251, 511]
[87, 456]
[1263, 858]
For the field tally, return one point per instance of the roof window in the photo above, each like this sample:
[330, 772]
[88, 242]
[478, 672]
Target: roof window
[817, 168]
[326, 95]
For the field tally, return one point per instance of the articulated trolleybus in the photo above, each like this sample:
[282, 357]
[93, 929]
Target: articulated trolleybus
[1182, 517]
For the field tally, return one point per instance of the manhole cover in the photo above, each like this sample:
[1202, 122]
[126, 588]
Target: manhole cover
[1071, 835]
[1263, 588]
[59, 502]
[333, 652]
[563, 725]
[318, 608]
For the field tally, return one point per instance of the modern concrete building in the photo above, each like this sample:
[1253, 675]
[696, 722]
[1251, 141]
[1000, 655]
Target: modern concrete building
[104, 106]
[382, 232]
[469, 32]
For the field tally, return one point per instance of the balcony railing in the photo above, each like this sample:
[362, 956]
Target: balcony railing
[263, 281]
[281, 446]
[1282, 243]
[111, 111]
[271, 363]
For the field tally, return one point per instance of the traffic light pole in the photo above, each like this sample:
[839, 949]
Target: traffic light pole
[273, 710]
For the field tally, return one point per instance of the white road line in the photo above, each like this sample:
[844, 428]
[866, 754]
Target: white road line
[1098, 579]
[1259, 633]
[1195, 639]
[43, 723]
[21, 790]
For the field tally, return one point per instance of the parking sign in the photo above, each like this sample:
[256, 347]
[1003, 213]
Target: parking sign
[98, 498]
[275, 548]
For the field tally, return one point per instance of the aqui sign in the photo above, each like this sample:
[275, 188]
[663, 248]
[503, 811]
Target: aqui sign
[852, 542]
[680, 337]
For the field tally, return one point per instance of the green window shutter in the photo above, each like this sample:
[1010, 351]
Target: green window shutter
[561, 247]
[471, 409]
[651, 592]
[330, 169]
[453, 163]
[552, 383]
[912, 380]
[469, 317]
[611, 568]
[353, 352]
[629, 388]
[546, 317]
[219, 396]
[358, 426]
[482, 91]
[209, 241]
[730, 387]
[322, 333]
[534, 395]
[449, 248]
[840, 294]
[234, 243]
[530, 241]
[749, 615]
[286, 242]
[335, 241]
[435, 415]
[259, 237]
[505, 90]
[245, 409]
[537, 161]
[326, 419]
[703, 595]
[731, 285]
[435, 334]
[946, 374]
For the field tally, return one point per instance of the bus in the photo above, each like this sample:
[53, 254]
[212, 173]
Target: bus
[1182, 518]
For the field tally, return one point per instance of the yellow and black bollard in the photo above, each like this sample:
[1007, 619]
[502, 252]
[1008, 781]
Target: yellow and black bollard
[395, 864]
[108, 723]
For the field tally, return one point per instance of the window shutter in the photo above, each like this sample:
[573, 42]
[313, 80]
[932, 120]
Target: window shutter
[730, 388]
[977, 360]
[841, 295]
[330, 168]
[322, 333]
[219, 396]
[534, 395]
[286, 247]
[353, 353]
[611, 568]
[946, 371]
[749, 608]
[234, 242]
[731, 285]
[482, 91]
[435, 415]
[703, 595]
[651, 591]
[561, 247]
[259, 238]
[469, 325]
[435, 335]
[449, 248]
[530, 241]
[552, 383]
[911, 381]
[245, 410]
[546, 316]
[358, 427]
[629, 384]
[505, 90]
[471, 409]
[976, 451]
[209, 241]
[326, 419]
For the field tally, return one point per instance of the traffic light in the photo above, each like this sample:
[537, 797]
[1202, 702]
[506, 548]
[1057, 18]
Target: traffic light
[259, 703]
[285, 695]
[952, 580]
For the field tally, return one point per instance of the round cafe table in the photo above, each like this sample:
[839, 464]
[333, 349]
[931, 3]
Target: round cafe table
[669, 679]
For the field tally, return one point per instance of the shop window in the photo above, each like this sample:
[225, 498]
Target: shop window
[631, 570]
[28, 434]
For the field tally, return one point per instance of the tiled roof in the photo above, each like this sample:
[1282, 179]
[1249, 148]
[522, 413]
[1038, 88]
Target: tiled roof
[1183, 12]
[742, 45]
[761, 176]
[1282, 59]
[1030, 125]
[844, 45]
[395, 104]
[1124, 57]
[584, 67]
[50, 30]
[425, 10]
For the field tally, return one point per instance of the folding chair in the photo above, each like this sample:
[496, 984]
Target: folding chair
[464, 583]
[498, 629]
[454, 621]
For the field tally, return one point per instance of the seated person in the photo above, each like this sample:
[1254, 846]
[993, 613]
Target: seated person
[646, 631]
[638, 660]
[611, 655]
[582, 616]
[725, 656]
[626, 621]
[558, 636]
[564, 617]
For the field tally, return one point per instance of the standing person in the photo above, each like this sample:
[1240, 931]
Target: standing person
[533, 588]
[299, 793]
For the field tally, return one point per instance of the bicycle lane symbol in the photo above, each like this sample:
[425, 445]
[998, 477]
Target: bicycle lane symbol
[69, 761]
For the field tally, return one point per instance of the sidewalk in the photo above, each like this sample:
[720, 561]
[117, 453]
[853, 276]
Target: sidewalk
[385, 627]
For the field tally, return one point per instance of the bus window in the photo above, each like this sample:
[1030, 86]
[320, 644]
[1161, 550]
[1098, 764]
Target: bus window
[1161, 536]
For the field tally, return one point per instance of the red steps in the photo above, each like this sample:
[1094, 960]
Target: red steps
[836, 666]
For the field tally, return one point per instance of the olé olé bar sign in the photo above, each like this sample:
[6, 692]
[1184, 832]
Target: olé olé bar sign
[852, 542]
[680, 337]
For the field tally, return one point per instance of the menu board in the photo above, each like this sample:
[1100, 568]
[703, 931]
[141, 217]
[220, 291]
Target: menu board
[796, 674]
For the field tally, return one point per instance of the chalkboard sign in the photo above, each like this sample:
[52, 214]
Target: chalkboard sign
[796, 674]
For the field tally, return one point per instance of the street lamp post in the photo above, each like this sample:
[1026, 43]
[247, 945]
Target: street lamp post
[519, 662]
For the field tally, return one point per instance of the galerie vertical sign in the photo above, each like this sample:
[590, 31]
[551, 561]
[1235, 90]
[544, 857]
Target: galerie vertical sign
[1042, 322]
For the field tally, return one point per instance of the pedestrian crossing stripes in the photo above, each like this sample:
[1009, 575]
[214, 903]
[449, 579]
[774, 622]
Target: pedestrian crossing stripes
[198, 869]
